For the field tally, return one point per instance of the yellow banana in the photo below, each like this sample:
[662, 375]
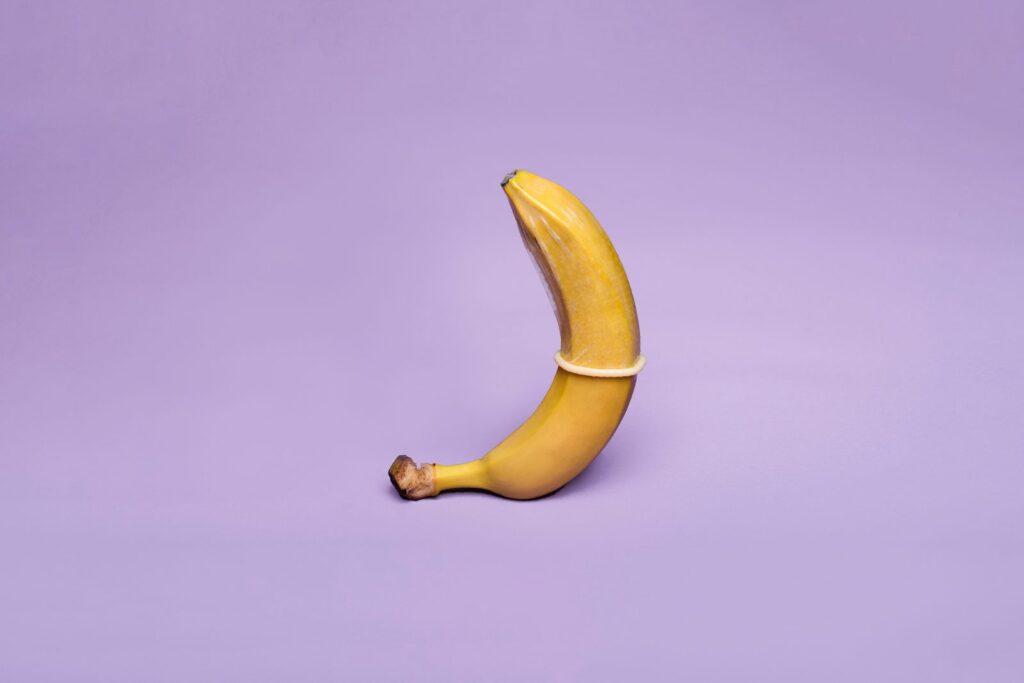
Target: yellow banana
[598, 360]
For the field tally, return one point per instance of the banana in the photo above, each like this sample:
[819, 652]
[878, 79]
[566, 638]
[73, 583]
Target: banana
[598, 360]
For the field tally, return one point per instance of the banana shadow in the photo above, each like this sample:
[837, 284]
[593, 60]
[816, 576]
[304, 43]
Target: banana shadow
[610, 465]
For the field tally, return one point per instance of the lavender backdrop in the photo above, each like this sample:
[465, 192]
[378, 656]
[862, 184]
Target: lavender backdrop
[249, 252]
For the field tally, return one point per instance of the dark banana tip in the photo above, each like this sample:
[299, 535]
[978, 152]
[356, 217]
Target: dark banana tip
[398, 470]
[412, 481]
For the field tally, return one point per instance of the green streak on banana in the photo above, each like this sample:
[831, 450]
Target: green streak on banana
[600, 336]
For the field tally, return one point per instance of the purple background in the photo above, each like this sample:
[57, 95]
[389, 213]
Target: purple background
[250, 252]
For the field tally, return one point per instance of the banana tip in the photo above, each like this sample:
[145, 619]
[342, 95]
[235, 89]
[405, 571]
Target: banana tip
[508, 177]
[412, 481]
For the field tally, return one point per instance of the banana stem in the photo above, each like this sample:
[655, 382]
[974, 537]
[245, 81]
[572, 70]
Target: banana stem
[468, 475]
[414, 481]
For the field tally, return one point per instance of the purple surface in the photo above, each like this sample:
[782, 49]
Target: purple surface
[251, 252]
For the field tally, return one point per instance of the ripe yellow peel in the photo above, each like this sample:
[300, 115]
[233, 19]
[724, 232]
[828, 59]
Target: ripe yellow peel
[599, 330]
[593, 300]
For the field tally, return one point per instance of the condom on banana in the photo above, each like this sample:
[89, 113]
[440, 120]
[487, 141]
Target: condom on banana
[598, 361]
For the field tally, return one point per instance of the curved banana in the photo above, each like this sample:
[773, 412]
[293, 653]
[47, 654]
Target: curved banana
[598, 360]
